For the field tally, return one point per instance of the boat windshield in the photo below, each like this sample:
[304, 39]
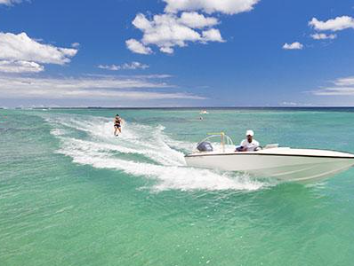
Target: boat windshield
[217, 142]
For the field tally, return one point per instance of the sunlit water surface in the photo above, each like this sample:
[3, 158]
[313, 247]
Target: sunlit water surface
[73, 194]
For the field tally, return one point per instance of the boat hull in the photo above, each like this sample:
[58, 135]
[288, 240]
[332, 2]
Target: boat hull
[280, 166]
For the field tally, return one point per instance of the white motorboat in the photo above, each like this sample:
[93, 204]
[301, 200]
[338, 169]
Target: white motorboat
[280, 163]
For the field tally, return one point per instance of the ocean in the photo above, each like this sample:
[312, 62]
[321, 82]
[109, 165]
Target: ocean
[73, 194]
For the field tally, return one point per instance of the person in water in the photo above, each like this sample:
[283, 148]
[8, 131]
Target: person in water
[248, 144]
[117, 125]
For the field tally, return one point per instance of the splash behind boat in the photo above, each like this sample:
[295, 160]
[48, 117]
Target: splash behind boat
[280, 163]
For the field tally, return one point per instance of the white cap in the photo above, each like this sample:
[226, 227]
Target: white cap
[249, 133]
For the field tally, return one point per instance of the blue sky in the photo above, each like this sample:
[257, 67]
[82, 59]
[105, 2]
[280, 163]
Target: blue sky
[176, 53]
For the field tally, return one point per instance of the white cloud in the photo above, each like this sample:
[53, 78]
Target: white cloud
[212, 35]
[348, 81]
[169, 30]
[20, 67]
[87, 88]
[153, 76]
[75, 45]
[296, 104]
[289, 104]
[137, 47]
[323, 36]
[337, 24]
[339, 87]
[293, 46]
[181, 24]
[84, 83]
[22, 48]
[167, 50]
[9, 2]
[197, 21]
[335, 91]
[230, 7]
[109, 67]
[126, 66]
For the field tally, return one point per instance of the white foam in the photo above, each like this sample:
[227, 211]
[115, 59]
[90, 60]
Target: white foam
[57, 132]
[102, 150]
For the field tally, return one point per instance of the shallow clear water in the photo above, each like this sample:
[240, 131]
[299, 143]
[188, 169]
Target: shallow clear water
[72, 194]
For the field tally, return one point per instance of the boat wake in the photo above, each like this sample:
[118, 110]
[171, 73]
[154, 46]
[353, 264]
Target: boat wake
[142, 151]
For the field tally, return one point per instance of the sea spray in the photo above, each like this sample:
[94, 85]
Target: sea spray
[100, 149]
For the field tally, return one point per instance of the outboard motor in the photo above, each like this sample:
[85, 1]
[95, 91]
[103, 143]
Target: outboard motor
[205, 146]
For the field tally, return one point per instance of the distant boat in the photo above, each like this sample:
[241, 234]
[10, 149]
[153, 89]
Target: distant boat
[204, 112]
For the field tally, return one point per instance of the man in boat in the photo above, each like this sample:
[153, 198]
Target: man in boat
[248, 144]
[117, 125]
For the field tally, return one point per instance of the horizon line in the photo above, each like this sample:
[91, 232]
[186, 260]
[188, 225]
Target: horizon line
[173, 107]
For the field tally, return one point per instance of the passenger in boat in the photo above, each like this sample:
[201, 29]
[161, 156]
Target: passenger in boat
[117, 125]
[249, 144]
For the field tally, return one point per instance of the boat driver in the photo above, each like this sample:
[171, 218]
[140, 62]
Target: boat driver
[249, 144]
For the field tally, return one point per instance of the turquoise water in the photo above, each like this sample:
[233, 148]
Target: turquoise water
[72, 194]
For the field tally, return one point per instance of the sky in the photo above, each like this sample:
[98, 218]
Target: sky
[176, 53]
